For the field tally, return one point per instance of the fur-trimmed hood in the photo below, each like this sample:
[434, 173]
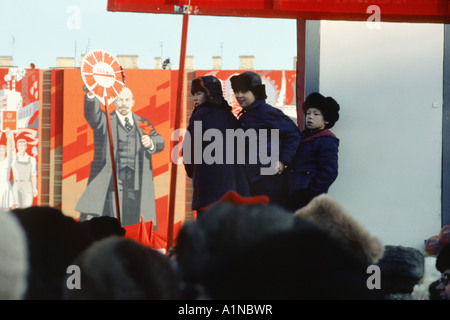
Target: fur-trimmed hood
[328, 214]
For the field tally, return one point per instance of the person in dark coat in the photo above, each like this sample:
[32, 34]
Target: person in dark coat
[116, 268]
[213, 173]
[242, 251]
[258, 120]
[54, 241]
[315, 166]
[443, 265]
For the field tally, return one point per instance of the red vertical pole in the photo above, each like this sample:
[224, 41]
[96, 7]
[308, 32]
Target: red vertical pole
[300, 77]
[177, 125]
[113, 161]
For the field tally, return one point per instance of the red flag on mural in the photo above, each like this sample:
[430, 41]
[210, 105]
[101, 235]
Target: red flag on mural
[141, 232]
[145, 233]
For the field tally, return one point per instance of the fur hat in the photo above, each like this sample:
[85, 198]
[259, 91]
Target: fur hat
[401, 269]
[54, 240]
[296, 264]
[443, 259]
[14, 266]
[249, 81]
[102, 227]
[328, 214]
[117, 268]
[424, 289]
[260, 251]
[222, 230]
[327, 105]
[211, 86]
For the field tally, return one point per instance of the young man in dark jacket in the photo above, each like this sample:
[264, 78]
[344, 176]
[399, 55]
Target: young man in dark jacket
[315, 166]
[271, 134]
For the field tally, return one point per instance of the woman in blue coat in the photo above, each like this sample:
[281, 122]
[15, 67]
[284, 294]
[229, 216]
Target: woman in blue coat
[315, 165]
[212, 173]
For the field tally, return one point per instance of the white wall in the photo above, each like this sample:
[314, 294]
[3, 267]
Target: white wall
[388, 82]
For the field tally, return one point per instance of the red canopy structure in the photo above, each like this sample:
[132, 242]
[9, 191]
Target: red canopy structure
[431, 11]
[414, 11]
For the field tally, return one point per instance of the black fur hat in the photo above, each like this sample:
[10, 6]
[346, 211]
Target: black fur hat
[249, 81]
[262, 252]
[211, 86]
[443, 259]
[327, 105]
[117, 268]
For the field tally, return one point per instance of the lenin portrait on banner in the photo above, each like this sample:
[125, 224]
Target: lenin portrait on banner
[134, 141]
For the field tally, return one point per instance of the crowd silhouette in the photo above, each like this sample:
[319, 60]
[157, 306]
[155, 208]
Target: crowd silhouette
[239, 249]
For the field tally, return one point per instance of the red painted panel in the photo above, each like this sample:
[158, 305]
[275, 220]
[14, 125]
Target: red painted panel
[355, 10]
[20, 97]
[154, 93]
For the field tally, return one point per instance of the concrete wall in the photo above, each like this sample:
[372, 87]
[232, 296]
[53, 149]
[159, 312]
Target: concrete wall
[388, 82]
[246, 62]
[128, 61]
[64, 62]
[6, 61]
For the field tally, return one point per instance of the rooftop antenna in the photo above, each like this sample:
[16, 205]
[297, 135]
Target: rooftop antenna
[88, 46]
[221, 55]
[13, 40]
[75, 53]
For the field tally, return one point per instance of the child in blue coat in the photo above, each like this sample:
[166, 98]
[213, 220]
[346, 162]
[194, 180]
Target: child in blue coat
[262, 122]
[315, 166]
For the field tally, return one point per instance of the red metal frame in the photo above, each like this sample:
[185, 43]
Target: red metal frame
[301, 71]
[425, 11]
[174, 167]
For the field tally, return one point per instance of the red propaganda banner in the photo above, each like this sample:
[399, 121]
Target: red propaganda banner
[154, 95]
[9, 120]
[430, 11]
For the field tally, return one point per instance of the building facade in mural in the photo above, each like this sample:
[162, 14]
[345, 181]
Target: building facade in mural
[24, 170]
[134, 141]
[6, 157]
[19, 112]
[12, 101]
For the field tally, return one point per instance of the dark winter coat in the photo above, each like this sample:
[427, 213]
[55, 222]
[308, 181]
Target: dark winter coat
[211, 181]
[315, 166]
[261, 115]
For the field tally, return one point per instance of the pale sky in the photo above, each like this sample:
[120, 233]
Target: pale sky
[39, 31]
